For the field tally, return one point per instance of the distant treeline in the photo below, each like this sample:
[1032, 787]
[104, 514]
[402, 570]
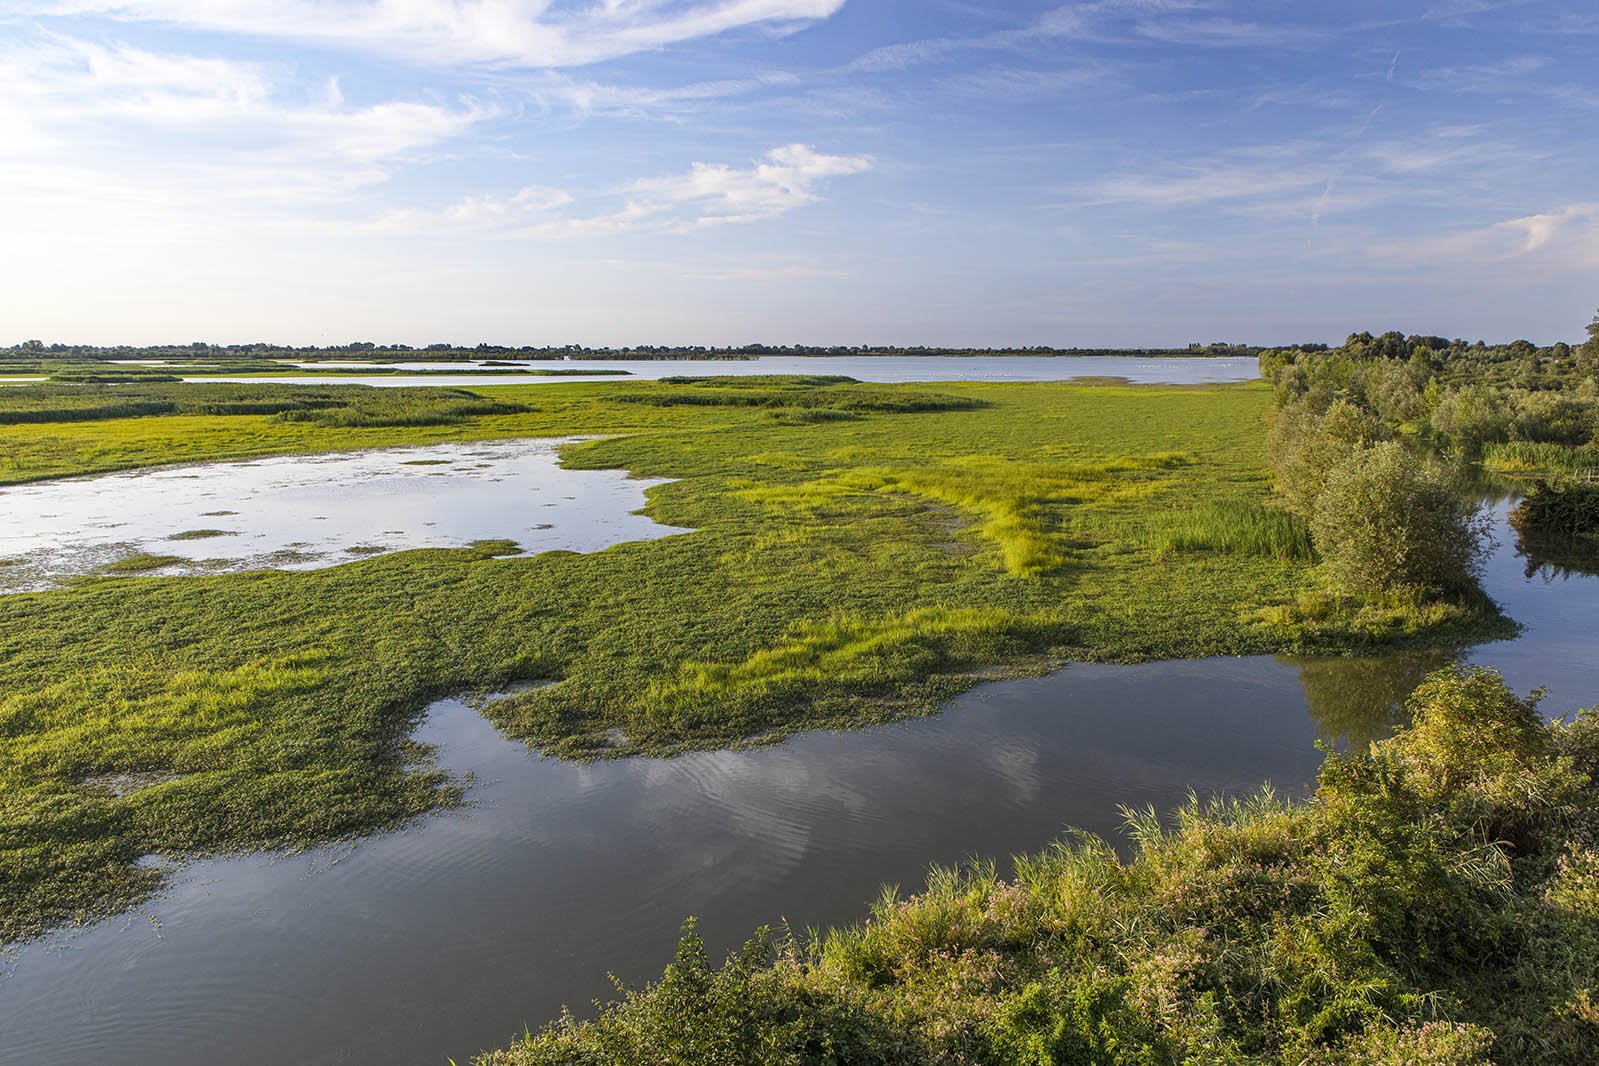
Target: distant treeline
[443, 351]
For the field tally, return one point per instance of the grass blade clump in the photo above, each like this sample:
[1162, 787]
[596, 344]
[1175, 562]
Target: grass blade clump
[1235, 527]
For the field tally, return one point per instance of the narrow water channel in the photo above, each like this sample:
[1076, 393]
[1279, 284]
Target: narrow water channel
[449, 937]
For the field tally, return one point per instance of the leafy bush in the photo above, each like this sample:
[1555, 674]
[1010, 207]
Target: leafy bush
[1567, 509]
[1306, 444]
[1387, 521]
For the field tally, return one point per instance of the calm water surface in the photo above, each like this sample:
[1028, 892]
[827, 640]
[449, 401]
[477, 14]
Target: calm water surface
[1173, 370]
[300, 512]
[446, 938]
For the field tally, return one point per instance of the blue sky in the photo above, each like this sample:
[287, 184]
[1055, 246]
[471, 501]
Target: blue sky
[960, 172]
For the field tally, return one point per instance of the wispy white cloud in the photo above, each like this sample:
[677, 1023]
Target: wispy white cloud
[1308, 178]
[714, 193]
[1566, 238]
[530, 33]
[530, 205]
[707, 194]
[1460, 12]
[114, 116]
[1186, 23]
[1494, 77]
[586, 98]
[1216, 32]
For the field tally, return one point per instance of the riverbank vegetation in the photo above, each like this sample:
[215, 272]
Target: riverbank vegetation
[860, 553]
[1436, 901]
[1517, 407]
[1372, 443]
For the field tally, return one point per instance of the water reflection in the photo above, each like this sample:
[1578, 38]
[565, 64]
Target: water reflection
[300, 512]
[484, 919]
[1357, 701]
[1550, 557]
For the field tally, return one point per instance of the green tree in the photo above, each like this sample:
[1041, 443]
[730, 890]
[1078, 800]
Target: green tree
[1387, 522]
[1305, 447]
[1588, 353]
[1472, 416]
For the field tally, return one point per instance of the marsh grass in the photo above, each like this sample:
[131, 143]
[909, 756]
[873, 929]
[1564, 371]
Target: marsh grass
[335, 406]
[203, 534]
[839, 573]
[1234, 527]
[142, 562]
[1524, 457]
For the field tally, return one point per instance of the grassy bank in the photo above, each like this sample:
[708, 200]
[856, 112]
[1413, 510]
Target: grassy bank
[1435, 902]
[860, 553]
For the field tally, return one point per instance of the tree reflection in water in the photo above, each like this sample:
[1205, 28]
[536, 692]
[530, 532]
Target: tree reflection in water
[1357, 701]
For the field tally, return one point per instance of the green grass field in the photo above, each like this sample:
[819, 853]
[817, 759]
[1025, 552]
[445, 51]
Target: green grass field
[859, 553]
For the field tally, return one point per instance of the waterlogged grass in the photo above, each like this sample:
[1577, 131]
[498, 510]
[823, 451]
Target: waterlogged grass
[1235, 527]
[841, 571]
[1524, 457]
[142, 562]
[343, 406]
[202, 534]
[1436, 902]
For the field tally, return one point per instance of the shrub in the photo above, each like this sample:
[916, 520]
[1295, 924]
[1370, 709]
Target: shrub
[1306, 445]
[1563, 509]
[1387, 521]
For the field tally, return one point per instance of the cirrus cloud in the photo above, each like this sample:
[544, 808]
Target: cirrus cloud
[524, 33]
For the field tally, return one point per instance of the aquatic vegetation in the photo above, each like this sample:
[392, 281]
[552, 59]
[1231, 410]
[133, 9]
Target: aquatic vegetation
[840, 573]
[202, 534]
[1435, 901]
[142, 562]
[1526, 457]
[331, 405]
[1559, 508]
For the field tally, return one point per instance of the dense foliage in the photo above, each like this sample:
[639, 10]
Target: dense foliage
[1516, 405]
[1388, 522]
[1560, 509]
[1436, 901]
[1557, 526]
